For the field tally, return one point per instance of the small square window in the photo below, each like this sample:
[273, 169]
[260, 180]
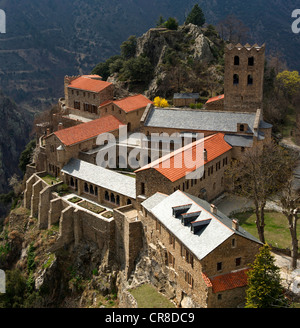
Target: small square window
[238, 261]
[219, 266]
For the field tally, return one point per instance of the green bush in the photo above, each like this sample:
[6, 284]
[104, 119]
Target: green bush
[30, 259]
[171, 23]
[128, 48]
[137, 69]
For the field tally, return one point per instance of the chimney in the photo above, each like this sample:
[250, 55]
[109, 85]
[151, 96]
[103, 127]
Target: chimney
[60, 126]
[213, 209]
[235, 224]
[205, 155]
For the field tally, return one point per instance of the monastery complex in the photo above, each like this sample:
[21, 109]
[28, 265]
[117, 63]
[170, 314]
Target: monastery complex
[155, 208]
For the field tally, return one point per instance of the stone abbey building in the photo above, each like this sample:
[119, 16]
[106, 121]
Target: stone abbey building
[164, 211]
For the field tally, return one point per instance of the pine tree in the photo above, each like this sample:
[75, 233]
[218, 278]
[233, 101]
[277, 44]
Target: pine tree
[196, 16]
[264, 283]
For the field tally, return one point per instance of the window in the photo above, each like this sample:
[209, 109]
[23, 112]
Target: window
[219, 297]
[143, 188]
[158, 226]
[189, 279]
[251, 61]
[242, 128]
[236, 60]
[171, 260]
[233, 243]
[235, 79]
[172, 240]
[250, 80]
[219, 266]
[76, 104]
[225, 161]
[238, 261]
[218, 166]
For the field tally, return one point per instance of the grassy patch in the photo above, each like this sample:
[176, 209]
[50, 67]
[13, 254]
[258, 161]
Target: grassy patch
[108, 214]
[148, 297]
[276, 230]
[74, 199]
[92, 207]
[50, 179]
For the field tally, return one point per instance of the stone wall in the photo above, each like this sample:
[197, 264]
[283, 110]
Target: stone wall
[243, 96]
[185, 277]
[213, 184]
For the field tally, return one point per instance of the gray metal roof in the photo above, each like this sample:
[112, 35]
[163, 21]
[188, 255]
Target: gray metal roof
[199, 120]
[205, 241]
[239, 140]
[101, 177]
[186, 96]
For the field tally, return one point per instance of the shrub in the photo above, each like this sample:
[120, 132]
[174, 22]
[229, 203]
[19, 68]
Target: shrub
[171, 23]
[160, 102]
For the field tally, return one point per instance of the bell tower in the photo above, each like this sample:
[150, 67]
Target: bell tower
[243, 80]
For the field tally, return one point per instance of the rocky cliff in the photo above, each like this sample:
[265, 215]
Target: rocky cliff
[189, 59]
[14, 135]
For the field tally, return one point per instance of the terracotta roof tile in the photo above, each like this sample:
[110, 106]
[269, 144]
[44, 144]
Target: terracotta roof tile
[85, 131]
[227, 281]
[178, 166]
[132, 103]
[85, 82]
[215, 99]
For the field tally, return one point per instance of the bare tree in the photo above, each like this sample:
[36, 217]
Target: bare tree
[290, 202]
[233, 29]
[258, 175]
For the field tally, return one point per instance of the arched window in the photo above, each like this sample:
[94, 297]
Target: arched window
[250, 80]
[129, 202]
[236, 79]
[118, 200]
[251, 61]
[236, 60]
[86, 187]
[72, 182]
[91, 189]
[112, 198]
[242, 128]
[106, 195]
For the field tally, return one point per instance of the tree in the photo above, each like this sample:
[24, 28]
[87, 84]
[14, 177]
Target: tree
[196, 16]
[290, 202]
[264, 282]
[26, 155]
[103, 69]
[128, 48]
[160, 102]
[171, 23]
[259, 174]
[233, 29]
[289, 82]
[160, 21]
[137, 69]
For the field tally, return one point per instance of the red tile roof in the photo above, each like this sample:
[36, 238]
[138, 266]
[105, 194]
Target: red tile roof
[85, 82]
[178, 165]
[215, 99]
[227, 281]
[132, 103]
[85, 131]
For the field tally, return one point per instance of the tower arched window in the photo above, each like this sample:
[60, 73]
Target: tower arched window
[236, 60]
[250, 80]
[236, 79]
[251, 61]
